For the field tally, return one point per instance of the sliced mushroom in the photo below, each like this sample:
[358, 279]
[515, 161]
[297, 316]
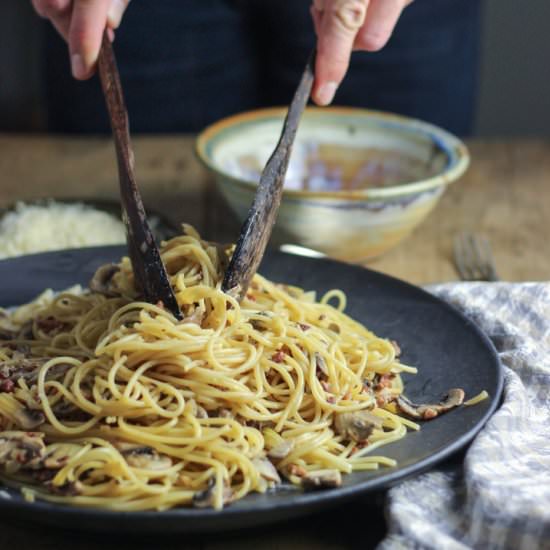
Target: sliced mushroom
[197, 411]
[7, 334]
[143, 456]
[224, 413]
[58, 455]
[454, 398]
[266, 469]
[68, 489]
[28, 419]
[102, 281]
[195, 318]
[65, 410]
[321, 364]
[322, 479]
[396, 347]
[26, 368]
[356, 425]
[205, 499]
[26, 332]
[20, 449]
[201, 413]
[280, 451]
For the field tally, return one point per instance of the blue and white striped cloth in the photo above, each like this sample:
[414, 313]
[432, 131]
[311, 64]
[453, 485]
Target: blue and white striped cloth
[500, 497]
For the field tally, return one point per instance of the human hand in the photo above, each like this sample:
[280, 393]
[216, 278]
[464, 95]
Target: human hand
[343, 26]
[82, 23]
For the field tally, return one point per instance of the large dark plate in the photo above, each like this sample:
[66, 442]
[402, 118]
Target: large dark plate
[449, 350]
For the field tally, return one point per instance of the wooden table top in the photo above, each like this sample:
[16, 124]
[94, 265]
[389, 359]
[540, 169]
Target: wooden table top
[505, 195]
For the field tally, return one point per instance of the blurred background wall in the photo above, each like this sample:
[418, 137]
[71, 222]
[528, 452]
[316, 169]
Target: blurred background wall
[514, 97]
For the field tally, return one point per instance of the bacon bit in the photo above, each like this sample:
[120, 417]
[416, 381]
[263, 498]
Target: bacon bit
[361, 445]
[278, 357]
[160, 304]
[396, 348]
[380, 401]
[7, 386]
[429, 414]
[251, 297]
[296, 470]
[331, 399]
[303, 326]
[321, 366]
[385, 381]
[325, 386]
[347, 396]
[50, 324]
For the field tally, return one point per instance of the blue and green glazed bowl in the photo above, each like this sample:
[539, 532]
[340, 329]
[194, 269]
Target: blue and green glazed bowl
[358, 182]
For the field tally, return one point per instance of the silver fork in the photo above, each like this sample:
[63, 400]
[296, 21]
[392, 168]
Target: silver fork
[473, 258]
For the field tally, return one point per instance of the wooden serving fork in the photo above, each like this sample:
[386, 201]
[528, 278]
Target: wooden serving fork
[149, 271]
[256, 230]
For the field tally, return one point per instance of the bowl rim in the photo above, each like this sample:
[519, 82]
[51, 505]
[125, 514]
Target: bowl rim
[454, 147]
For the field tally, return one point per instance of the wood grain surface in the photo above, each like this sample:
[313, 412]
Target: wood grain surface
[505, 195]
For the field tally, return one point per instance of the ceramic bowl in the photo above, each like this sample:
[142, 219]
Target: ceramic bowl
[358, 181]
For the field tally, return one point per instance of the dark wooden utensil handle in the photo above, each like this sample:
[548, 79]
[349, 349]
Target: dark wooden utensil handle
[149, 271]
[256, 230]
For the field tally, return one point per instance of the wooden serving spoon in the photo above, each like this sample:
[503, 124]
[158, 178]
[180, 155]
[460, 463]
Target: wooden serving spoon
[149, 271]
[256, 230]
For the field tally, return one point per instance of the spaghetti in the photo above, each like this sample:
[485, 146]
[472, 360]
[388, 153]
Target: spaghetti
[108, 401]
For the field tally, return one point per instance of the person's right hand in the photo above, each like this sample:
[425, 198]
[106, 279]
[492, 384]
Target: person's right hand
[343, 26]
[82, 23]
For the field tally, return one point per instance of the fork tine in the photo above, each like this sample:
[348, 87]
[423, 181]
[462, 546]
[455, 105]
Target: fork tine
[461, 257]
[490, 269]
[478, 262]
[473, 258]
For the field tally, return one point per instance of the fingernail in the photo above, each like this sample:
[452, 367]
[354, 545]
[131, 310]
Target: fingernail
[115, 13]
[77, 66]
[326, 93]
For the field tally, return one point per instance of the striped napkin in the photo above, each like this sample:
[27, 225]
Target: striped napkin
[500, 497]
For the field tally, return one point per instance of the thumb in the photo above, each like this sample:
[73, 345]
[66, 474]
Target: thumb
[338, 26]
[88, 22]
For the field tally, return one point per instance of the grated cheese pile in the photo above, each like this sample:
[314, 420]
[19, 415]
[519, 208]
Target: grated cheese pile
[29, 229]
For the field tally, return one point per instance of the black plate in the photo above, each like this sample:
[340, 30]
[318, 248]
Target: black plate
[448, 349]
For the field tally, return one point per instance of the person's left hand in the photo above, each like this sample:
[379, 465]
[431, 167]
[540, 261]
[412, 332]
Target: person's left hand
[82, 23]
[343, 26]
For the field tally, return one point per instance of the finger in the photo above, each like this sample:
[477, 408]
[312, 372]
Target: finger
[49, 8]
[380, 21]
[341, 19]
[57, 11]
[115, 13]
[316, 15]
[88, 22]
[62, 24]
